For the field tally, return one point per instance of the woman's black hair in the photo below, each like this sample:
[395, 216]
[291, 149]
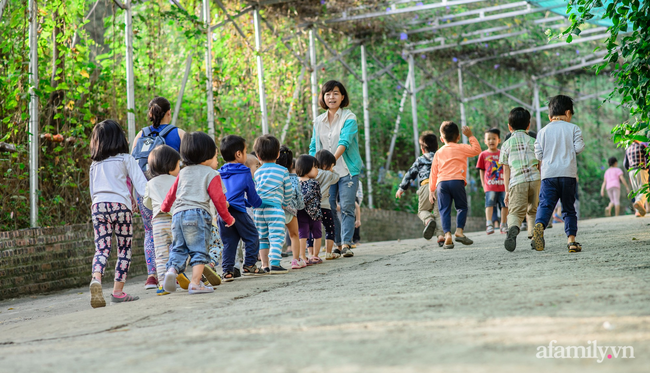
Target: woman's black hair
[107, 140]
[612, 161]
[450, 131]
[162, 160]
[558, 105]
[429, 141]
[286, 157]
[304, 164]
[158, 107]
[325, 158]
[230, 145]
[329, 87]
[197, 147]
[267, 148]
[519, 118]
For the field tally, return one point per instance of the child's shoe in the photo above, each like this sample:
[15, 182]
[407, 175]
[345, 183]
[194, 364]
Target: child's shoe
[302, 263]
[161, 291]
[183, 281]
[504, 228]
[212, 276]
[429, 229]
[152, 283]
[538, 242]
[489, 230]
[306, 262]
[96, 294]
[278, 270]
[639, 208]
[229, 276]
[346, 252]
[332, 256]
[295, 264]
[237, 272]
[253, 270]
[199, 289]
[123, 298]
[169, 283]
[511, 240]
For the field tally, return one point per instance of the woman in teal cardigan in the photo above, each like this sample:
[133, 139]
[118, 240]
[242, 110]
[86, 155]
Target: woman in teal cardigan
[336, 130]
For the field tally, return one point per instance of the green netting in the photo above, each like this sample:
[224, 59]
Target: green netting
[562, 6]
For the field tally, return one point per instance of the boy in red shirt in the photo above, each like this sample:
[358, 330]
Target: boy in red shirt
[492, 180]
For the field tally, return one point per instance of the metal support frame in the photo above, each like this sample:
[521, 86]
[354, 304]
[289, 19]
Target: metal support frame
[338, 57]
[463, 119]
[414, 105]
[260, 71]
[130, 85]
[538, 113]
[33, 114]
[208, 66]
[394, 10]
[366, 122]
[296, 94]
[314, 75]
[181, 92]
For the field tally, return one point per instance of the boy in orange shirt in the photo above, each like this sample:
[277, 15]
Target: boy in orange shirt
[449, 177]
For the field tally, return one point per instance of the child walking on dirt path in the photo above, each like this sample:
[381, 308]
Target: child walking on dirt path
[110, 172]
[557, 147]
[636, 162]
[521, 175]
[421, 170]
[310, 218]
[327, 177]
[492, 181]
[449, 177]
[612, 183]
[292, 207]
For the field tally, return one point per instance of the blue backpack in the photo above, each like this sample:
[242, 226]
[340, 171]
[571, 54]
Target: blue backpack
[148, 142]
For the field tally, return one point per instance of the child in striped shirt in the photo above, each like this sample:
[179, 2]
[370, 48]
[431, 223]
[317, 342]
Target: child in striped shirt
[274, 187]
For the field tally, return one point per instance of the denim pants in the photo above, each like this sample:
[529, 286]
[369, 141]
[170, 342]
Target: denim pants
[552, 190]
[344, 193]
[243, 229]
[192, 231]
[448, 191]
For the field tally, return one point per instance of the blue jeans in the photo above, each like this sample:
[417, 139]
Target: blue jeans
[244, 229]
[494, 199]
[552, 190]
[344, 193]
[192, 231]
[448, 191]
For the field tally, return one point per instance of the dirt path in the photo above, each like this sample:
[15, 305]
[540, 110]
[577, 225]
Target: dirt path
[395, 307]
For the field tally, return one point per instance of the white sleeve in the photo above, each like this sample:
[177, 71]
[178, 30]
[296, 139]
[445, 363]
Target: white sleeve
[136, 174]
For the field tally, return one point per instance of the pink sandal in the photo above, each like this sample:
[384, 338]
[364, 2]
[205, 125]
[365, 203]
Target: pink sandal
[315, 260]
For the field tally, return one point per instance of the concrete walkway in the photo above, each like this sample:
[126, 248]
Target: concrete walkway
[395, 307]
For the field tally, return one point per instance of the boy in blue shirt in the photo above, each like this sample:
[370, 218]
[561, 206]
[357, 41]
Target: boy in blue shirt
[240, 192]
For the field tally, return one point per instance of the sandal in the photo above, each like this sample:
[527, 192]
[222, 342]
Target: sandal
[199, 289]
[447, 246]
[464, 240]
[229, 276]
[441, 242]
[253, 271]
[315, 260]
[212, 276]
[576, 247]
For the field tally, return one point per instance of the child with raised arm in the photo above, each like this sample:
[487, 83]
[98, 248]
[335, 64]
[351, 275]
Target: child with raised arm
[196, 185]
[274, 187]
[612, 183]
[449, 177]
[521, 175]
[557, 147]
[420, 171]
[240, 192]
[492, 181]
[110, 172]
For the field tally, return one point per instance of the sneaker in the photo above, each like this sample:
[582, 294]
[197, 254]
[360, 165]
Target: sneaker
[212, 276]
[278, 270]
[123, 298]
[267, 270]
[429, 229]
[161, 291]
[537, 242]
[152, 283]
[96, 294]
[200, 289]
[237, 272]
[489, 230]
[639, 208]
[504, 228]
[183, 281]
[347, 253]
[169, 283]
[336, 253]
[511, 240]
[329, 256]
[302, 263]
[295, 264]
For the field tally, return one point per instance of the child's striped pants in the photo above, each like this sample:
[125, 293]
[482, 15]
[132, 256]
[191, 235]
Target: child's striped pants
[269, 222]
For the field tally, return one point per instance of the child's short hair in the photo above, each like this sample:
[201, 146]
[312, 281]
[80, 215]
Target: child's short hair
[450, 131]
[107, 140]
[304, 164]
[429, 141]
[162, 160]
[519, 118]
[158, 107]
[612, 161]
[267, 148]
[286, 157]
[329, 87]
[559, 104]
[230, 145]
[325, 158]
[197, 147]
[495, 131]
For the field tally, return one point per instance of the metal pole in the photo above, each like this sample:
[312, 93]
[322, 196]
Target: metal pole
[366, 122]
[538, 112]
[314, 75]
[296, 93]
[463, 120]
[260, 70]
[33, 114]
[208, 66]
[130, 87]
[179, 100]
[397, 121]
[414, 106]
